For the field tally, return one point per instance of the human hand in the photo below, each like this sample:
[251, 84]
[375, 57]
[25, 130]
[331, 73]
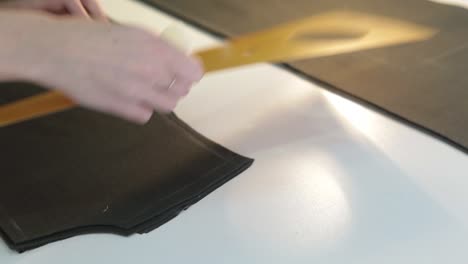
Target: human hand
[83, 8]
[120, 70]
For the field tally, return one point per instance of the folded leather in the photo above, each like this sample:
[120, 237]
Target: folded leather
[82, 172]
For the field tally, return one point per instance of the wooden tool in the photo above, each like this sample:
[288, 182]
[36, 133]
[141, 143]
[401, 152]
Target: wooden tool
[322, 35]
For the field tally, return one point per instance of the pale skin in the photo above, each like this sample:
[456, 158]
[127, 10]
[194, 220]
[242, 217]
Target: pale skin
[69, 46]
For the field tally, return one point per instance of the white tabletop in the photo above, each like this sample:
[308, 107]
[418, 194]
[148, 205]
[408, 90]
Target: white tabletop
[333, 182]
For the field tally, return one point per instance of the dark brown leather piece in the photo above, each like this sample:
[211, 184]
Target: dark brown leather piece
[80, 171]
[422, 84]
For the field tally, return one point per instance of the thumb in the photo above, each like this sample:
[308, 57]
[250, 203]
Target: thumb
[176, 35]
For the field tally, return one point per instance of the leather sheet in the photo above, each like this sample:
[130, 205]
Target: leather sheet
[421, 84]
[82, 172]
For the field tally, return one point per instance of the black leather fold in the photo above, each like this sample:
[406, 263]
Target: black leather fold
[80, 172]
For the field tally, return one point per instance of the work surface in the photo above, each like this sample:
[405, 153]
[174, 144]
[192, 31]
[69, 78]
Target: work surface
[333, 182]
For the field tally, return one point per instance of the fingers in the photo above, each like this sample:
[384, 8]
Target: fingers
[86, 8]
[156, 97]
[177, 77]
[137, 76]
[173, 74]
[75, 7]
[179, 88]
[94, 9]
[185, 67]
[131, 110]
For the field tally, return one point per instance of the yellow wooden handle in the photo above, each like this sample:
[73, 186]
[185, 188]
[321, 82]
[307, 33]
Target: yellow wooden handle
[33, 107]
[321, 35]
